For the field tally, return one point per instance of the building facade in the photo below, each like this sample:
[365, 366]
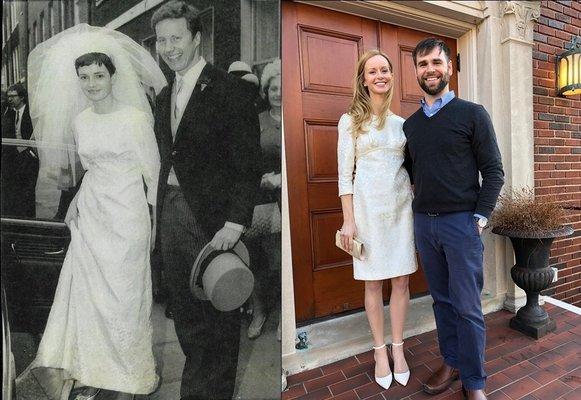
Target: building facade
[14, 42]
[557, 132]
[246, 30]
[27, 23]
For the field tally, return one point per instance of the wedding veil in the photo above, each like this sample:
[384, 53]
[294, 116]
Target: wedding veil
[56, 98]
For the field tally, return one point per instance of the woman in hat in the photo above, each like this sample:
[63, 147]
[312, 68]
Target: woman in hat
[376, 203]
[265, 249]
[87, 93]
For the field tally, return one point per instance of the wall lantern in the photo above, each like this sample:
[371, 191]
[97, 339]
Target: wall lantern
[569, 69]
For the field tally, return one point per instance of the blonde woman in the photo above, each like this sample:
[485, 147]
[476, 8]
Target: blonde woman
[376, 203]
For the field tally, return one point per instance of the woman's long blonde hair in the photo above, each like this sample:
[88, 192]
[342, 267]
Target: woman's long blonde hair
[360, 108]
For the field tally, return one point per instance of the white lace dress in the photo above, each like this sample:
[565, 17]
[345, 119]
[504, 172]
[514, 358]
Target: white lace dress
[382, 197]
[99, 329]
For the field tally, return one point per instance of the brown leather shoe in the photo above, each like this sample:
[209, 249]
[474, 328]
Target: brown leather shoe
[441, 379]
[474, 394]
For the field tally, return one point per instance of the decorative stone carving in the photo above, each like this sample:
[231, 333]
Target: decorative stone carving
[517, 19]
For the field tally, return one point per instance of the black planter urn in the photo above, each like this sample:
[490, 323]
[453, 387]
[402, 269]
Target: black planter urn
[532, 274]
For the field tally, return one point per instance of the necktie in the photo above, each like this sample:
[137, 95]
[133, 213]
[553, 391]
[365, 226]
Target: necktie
[18, 136]
[176, 110]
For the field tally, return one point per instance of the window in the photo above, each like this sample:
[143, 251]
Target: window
[77, 12]
[13, 15]
[63, 14]
[31, 43]
[4, 34]
[34, 35]
[260, 31]
[17, 61]
[51, 20]
[266, 29]
[207, 21]
[4, 73]
[41, 29]
[16, 64]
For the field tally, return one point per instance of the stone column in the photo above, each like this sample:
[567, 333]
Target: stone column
[516, 43]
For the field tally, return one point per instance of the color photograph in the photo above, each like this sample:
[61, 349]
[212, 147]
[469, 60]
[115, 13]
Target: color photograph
[434, 199]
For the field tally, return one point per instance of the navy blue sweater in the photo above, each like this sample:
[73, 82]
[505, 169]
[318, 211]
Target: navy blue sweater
[444, 154]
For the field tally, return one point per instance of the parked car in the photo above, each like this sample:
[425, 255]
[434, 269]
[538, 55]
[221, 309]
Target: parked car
[33, 250]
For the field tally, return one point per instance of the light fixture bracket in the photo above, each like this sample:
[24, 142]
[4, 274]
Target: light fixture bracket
[575, 43]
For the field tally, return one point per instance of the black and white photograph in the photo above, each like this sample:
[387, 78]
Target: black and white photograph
[141, 199]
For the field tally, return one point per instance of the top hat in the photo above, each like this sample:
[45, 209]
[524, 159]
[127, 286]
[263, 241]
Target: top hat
[222, 277]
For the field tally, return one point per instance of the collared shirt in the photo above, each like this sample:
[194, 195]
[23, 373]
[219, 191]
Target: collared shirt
[430, 111]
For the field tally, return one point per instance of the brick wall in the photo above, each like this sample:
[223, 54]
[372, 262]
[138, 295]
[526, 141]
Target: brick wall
[557, 131]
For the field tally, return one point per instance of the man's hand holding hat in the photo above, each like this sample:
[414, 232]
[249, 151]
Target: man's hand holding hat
[226, 238]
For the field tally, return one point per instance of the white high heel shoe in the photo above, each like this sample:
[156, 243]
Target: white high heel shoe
[403, 377]
[383, 381]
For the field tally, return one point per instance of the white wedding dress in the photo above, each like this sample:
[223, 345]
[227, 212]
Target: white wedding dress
[99, 329]
[382, 197]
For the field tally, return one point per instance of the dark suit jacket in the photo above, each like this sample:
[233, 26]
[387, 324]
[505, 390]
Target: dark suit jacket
[216, 153]
[9, 130]
[19, 169]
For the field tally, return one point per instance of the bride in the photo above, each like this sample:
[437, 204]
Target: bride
[87, 89]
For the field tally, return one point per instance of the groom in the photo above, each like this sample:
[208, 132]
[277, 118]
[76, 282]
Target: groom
[209, 143]
[449, 141]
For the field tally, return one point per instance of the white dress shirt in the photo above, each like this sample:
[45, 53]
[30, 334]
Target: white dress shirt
[18, 120]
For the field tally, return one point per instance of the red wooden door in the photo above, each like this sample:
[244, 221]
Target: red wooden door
[320, 49]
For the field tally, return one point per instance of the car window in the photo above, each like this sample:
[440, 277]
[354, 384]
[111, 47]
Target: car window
[27, 192]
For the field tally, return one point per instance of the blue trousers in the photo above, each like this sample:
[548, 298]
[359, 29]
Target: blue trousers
[451, 252]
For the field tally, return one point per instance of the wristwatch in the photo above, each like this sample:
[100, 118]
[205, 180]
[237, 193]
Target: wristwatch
[481, 221]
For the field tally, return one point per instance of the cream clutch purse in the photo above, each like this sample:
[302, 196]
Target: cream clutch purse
[358, 248]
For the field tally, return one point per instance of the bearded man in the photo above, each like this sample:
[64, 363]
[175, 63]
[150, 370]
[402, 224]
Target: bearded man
[449, 141]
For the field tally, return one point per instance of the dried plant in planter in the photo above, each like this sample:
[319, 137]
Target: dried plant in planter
[531, 224]
[520, 211]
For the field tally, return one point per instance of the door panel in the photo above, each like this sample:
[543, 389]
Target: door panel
[320, 51]
[325, 58]
[322, 48]
[321, 164]
[324, 226]
[337, 291]
[410, 90]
